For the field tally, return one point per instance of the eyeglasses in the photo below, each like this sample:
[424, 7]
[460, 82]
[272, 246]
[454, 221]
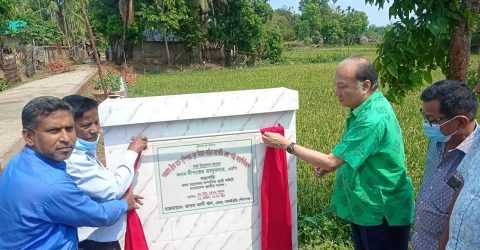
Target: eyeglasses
[436, 121]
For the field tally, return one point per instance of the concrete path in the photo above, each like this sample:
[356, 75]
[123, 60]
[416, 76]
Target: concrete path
[13, 100]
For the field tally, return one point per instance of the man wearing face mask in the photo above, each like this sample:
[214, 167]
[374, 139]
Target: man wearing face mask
[449, 109]
[91, 176]
[40, 205]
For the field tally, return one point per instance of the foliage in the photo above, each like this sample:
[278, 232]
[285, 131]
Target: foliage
[355, 24]
[39, 24]
[239, 23]
[376, 33]
[165, 15]
[323, 23]
[272, 46]
[3, 85]
[321, 227]
[417, 44]
[193, 29]
[6, 12]
[110, 82]
[283, 20]
[106, 21]
[43, 31]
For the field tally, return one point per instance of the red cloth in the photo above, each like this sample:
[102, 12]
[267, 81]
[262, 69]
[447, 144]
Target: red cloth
[135, 237]
[275, 200]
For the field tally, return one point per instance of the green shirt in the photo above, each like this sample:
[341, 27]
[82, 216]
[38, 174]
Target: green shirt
[372, 184]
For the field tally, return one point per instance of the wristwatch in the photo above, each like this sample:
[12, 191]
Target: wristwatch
[290, 148]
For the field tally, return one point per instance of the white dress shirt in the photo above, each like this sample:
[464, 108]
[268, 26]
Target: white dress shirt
[101, 184]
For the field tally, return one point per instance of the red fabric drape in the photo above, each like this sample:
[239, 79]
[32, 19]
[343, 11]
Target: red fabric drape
[135, 237]
[275, 199]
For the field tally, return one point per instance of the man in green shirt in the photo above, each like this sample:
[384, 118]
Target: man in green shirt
[372, 190]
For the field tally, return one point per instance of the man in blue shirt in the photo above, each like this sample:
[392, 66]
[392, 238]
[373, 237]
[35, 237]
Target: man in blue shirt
[449, 109]
[41, 207]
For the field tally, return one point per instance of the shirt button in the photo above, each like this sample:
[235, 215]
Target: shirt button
[431, 187]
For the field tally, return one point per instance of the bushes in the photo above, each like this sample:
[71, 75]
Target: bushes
[272, 46]
[3, 85]
[110, 82]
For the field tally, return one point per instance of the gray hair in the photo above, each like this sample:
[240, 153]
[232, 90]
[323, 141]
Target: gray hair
[41, 106]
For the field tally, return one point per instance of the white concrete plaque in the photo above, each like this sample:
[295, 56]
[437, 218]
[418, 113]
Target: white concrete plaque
[202, 172]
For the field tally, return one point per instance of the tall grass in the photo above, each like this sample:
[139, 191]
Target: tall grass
[320, 122]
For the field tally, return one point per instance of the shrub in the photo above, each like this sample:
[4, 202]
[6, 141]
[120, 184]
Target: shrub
[110, 82]
[3, 85]
[272, 46]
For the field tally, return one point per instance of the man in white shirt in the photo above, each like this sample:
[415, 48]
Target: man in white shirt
[99, 182]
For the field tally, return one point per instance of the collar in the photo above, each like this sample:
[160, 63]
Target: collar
[365, 104]
[466, 144]
[32, 153]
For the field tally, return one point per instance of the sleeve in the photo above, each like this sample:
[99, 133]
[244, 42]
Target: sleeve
[67, 204]
[100, 182]
[359, 142]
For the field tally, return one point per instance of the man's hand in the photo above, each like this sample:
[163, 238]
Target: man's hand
[138, 144]
[275, 140]
[320, 172]
[138, 199]
[129, 197]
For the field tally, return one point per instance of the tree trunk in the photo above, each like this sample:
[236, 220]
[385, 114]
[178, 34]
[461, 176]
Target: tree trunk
[459, 52]
[92, 41]
[167, 51]
[124, 35]
[61, 19]
[476, 9]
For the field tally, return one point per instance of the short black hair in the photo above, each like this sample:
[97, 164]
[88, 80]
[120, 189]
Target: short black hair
[454, 96]
[80, 104]
[41, 106]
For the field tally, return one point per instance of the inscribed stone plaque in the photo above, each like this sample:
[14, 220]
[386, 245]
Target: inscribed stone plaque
[201, 174]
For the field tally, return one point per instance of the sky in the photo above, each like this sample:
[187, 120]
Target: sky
[375, 16]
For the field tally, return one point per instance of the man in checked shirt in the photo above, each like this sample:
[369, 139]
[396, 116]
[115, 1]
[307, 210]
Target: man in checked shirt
[449, 109]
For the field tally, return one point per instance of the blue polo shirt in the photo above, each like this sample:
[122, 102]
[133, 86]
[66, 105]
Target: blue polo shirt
[41, 207]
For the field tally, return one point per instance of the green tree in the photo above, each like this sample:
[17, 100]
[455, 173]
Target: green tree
[430, 34]
[355, 24]
[310, 20]
[376, 32]
[239, 24]
[6, 12]
[166, 16]
[283, 21]
[272, 46]
[322, 4]
[332, 28]
[194, 28]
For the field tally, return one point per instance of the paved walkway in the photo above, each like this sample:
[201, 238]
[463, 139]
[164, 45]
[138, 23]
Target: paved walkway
[13, 100]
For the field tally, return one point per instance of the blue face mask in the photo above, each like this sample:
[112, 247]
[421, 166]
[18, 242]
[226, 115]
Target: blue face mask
[433, 132]
[90, 146]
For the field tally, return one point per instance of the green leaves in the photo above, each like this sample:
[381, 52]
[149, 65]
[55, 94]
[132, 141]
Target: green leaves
[322, 23]
[416, 44]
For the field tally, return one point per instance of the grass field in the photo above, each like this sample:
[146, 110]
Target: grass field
[320, 122]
